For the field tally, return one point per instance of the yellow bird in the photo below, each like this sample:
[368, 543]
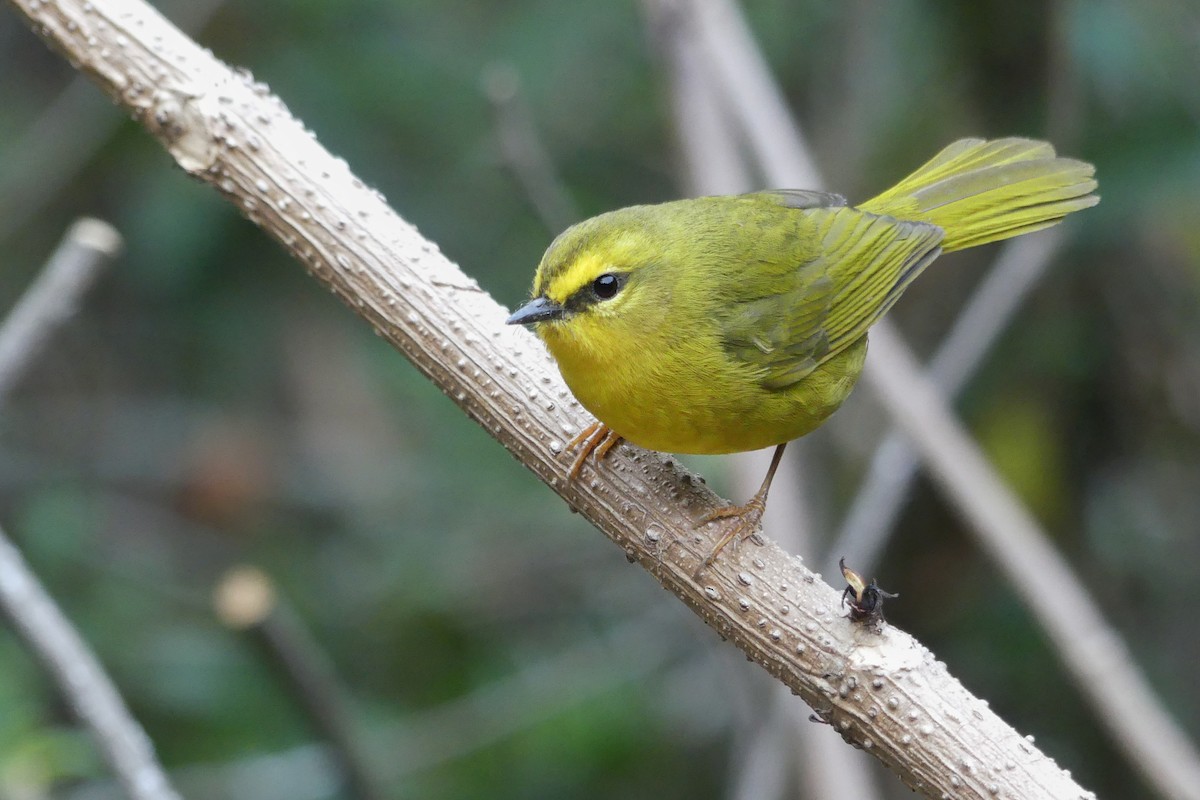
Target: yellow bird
[723, 324]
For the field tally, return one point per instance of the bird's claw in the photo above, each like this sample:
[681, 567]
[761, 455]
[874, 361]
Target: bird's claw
[596, 438]
[747, 525]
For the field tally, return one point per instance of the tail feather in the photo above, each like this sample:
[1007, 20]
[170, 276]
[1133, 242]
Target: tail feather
[981, 191]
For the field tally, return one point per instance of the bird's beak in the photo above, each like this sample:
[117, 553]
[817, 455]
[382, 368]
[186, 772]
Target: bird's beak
[539, 309]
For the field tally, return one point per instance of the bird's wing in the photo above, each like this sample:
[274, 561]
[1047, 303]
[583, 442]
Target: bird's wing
[801, 198]
[827, 302]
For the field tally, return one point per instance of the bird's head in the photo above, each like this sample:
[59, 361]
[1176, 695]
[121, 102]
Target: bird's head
[599, 283]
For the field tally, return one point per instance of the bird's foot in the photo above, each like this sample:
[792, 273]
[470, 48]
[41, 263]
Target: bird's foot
[747, 524]
[596, 438]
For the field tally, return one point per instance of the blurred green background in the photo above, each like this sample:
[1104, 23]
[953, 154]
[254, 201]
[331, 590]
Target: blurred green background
[211, 406]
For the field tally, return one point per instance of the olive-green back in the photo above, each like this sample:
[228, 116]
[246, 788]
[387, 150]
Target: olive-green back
[850, 265]
[848, 268]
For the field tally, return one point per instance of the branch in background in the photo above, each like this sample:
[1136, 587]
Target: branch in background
[883, 692]
[1092, 652]
[752, 98]
[763, 759]
[631, 652]
[1090, 649]
[51, 151]
[246, 600]
[1020, 265]
[713, 163]
[88, 246]
[522, 149]
[80, 677]
[69, 133]
[894, 465]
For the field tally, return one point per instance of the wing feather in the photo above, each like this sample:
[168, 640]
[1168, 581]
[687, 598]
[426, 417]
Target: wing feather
[865, 263]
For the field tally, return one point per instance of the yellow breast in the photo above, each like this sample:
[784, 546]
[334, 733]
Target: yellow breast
[684, 395]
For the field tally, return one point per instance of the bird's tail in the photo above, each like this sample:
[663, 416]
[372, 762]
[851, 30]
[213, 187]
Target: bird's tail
[981, 191]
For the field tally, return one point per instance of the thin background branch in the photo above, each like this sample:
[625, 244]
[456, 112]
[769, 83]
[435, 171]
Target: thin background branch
[1091, 650]
[88, 246]
[66, 136]
[631, 652]
[714, 163]
[894, 464]
[1019, 266]
[247, 600]
[522, 150]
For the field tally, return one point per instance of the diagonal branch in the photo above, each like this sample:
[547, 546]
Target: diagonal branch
[247, 600]
[88, 246]
[92, 695]
[1093, 653]
[895, 463]
[713, 163]
[65, 137]
[884, 692]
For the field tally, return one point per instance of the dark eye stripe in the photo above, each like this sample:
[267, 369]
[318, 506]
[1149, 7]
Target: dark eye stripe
[605, 287]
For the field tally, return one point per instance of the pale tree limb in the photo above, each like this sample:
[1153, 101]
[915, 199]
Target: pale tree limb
[713, 163]
[522, 149]
[631, 652]
[87, 247]
[1020, 264]
[80, 677]
[247, 600]
[1089, 648]
[894, 464]
[881, 691]
[67, 134]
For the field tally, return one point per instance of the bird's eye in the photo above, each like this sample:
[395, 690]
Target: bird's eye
[607, 285]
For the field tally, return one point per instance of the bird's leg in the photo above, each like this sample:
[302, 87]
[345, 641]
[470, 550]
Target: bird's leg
[596, 438]
[748, 516]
